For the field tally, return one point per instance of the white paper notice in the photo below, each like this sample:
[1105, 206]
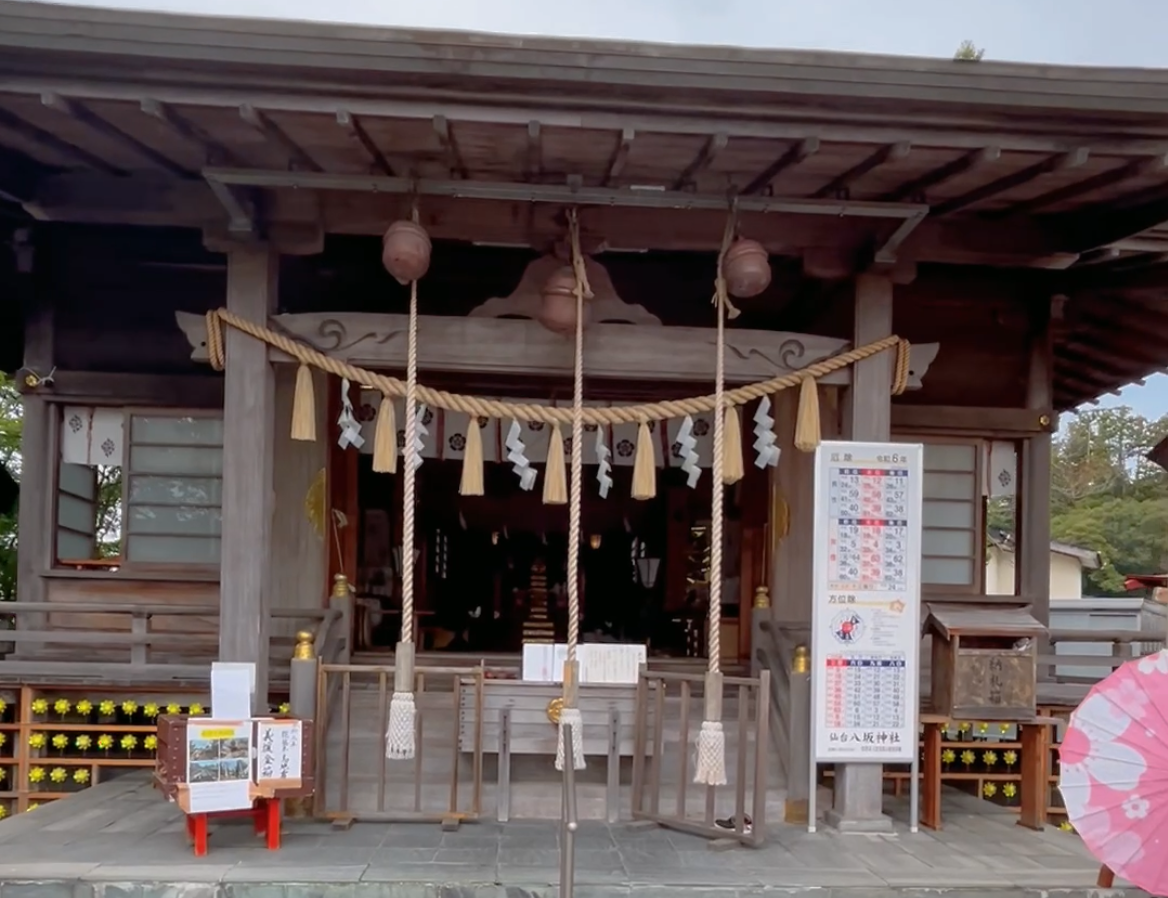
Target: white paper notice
[278, 752]
[232, 687]
[229, 795]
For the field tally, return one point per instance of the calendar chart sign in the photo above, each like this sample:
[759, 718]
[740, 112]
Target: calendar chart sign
[866, 605]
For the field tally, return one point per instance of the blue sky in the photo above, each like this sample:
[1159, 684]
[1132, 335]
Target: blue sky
[1071, 32]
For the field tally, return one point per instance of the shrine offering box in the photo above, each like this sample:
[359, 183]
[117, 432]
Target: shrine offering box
[985, 662]
[171, 769]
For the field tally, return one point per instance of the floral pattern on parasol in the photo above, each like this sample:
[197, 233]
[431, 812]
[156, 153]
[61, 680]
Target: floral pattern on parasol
[1114, 772]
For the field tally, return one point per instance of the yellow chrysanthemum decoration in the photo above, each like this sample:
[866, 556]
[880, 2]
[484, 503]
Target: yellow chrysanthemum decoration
[173, 708]
[1003, 728]
[968, 757]
[150, 710]
[195, 708]
[1066, 827]
[37, 775]
[1010, 757]
[85, 706]
[964, 727]
[3, 812]
[60, 742]
[1010, 790]
[129, 742]
[37, 740]
[3, 739]
[62, 706]
[3, 774]
[105, 742]
[58, 774]
[3, 706]
[81, 775]
[983, 728]
[989, 790]
[990, 758]
[150, 742]
[129, 706]
[33, 805]
[107, 707]
[948, 756]
[285, 708]
[40, 706]
[83, 742]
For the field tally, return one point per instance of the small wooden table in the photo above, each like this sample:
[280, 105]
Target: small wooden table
[1033, 767]
[265, 816]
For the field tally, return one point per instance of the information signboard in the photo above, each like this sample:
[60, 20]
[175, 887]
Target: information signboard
[866, 605]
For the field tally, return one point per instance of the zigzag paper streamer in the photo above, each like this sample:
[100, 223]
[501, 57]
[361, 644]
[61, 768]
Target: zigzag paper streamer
[764, 432]
[350, 428]
[420, 431]
[603, 465]
[689, 457]
[517, 455]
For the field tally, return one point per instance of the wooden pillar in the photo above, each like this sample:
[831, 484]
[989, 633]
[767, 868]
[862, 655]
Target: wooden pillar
[248, 445]
[1032, 568]
[859, 788]
[38, 469]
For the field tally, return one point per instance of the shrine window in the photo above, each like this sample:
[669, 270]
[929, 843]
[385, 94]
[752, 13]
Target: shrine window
[138, 488]
[952, 544]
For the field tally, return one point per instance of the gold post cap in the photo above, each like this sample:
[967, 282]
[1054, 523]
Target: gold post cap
[304, 650]
[801, 663]
[341, 588]
[762, 597]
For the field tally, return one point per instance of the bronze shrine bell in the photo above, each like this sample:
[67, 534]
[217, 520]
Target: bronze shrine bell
[405, 251]
[984, 662]
[557, 309]
[746, 268]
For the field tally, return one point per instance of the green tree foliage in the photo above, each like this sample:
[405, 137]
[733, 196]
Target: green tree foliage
[1106, 496]
[969, 52]
[10, 460]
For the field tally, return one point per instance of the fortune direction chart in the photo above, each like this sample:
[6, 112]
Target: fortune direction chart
[866, 604]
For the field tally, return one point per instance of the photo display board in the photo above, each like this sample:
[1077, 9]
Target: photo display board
[866, 604]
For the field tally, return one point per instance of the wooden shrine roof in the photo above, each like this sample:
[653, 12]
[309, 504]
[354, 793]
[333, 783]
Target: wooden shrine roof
[842, 160]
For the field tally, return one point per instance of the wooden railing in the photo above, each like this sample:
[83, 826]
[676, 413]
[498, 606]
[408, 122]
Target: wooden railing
[1065, 677]
[141, 645]
[790, 715]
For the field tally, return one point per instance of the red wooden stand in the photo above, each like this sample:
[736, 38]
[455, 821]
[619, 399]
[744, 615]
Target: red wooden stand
[265, 816]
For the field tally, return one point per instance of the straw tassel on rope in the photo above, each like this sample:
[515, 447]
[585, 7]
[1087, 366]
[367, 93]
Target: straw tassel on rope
[304, 406]
[555, 489]
[385, 439]
[807, 432]
[472, 459]
[732, 471]
[644, 465]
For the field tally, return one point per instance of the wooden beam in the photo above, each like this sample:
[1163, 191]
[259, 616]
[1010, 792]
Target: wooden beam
[506, 346]
[620, 155]
[1101, 224]
[454, 161]
[915, 190]
[1063, 161]
[1135, 169]
[961, 419]
[240, 206]
[1032, 573]
[839, 186]
[1073, 358]
[796, 153]
[1131, 350]
[81, 113]
[190, 132]
[534, 168]
[1101, 256]
[713, 146]
[353, 125]
[248, 446]
[104, 388]
[297, 157]
[54, 143]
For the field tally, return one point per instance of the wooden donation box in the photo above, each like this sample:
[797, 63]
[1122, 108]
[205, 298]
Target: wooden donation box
[984, 662]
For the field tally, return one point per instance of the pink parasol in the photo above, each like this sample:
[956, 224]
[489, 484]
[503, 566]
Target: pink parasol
[1114, 772]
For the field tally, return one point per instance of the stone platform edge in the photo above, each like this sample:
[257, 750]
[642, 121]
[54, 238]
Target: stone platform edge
[77, 888]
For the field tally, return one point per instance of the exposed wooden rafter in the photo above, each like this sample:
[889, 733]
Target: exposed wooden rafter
[52, 142]
[353, 125]
[796, 153]
[186, 130]
[79, 112]
[297, 157]
[713, 146]
[1134, 169]
[534, 168]
[915, 190]
[1111, 366]
[449, 143]
[841, 185]
[620, 155]
[1101, 256]
[1063, 161]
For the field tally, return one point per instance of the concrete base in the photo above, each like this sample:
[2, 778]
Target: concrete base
[881, 824]
[858, 799]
